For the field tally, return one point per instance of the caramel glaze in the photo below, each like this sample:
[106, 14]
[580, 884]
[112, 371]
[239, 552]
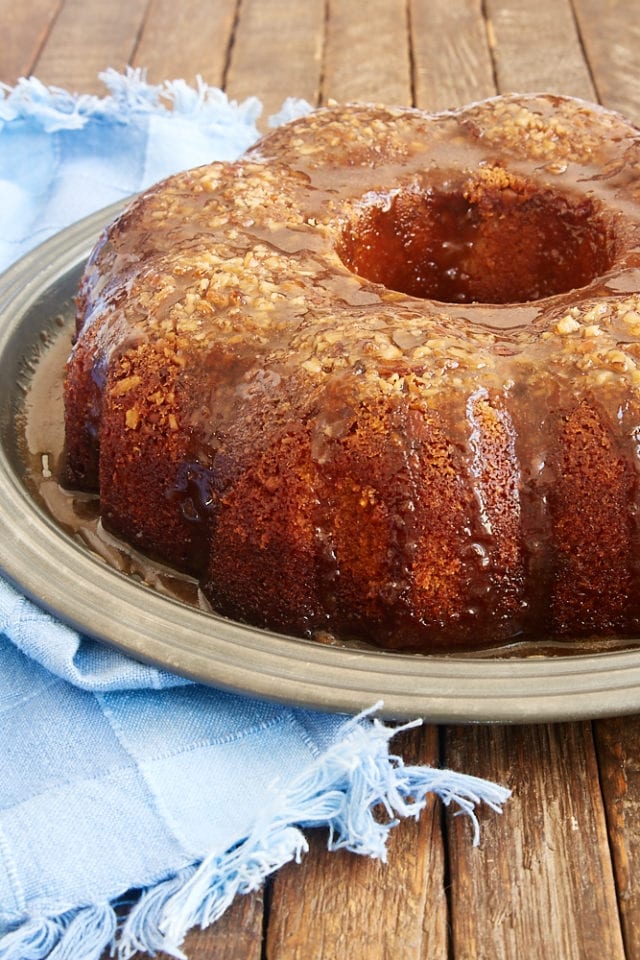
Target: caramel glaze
[380, 377]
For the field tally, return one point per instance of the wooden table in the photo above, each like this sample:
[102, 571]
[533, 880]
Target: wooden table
[557, 876]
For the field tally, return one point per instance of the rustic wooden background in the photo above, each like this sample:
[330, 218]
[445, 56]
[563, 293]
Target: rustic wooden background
[433, 53]
[557, 876]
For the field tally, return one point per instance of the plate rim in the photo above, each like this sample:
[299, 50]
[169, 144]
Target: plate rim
[63, 577]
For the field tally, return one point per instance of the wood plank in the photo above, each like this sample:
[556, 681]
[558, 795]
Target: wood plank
[25, 27]
[618, 744]
[277, 52]
[85, 39]
[343, 905]
[452, 59]
[611, 36]
[536, 47]
[541, 881]
[183, 40]
[367, 58]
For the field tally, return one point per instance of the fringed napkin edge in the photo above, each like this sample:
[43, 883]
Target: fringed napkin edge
[345, 790]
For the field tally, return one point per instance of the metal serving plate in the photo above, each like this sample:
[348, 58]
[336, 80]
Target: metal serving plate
[66, 578]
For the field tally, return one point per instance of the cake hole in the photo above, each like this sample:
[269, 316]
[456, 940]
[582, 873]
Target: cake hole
[478, 244]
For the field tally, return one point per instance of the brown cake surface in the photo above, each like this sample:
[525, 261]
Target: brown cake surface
[379, 378]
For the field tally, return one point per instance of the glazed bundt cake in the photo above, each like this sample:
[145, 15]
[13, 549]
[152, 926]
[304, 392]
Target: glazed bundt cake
[380, 378]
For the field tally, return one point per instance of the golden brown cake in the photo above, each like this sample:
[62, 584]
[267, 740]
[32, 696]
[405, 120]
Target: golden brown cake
[379, 379]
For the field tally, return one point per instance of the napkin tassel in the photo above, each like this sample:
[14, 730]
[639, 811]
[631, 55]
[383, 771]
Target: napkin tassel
[129, 95]
[79, 934]
[356, 788]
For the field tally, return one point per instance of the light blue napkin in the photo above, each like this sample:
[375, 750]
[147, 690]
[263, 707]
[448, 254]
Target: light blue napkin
[116, 776]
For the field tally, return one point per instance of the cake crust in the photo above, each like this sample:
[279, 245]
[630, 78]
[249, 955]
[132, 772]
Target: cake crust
[378, 379]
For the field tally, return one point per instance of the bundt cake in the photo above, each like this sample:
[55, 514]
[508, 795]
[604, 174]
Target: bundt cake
[379, 379]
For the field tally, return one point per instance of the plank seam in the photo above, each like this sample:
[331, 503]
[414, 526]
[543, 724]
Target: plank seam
[491, 45]
[412, 56]
[230, 46]
[323, 55]
[609, 828]
[267, 900]
[45, 38]
[446, 850]
[140, 30]
[583, 49]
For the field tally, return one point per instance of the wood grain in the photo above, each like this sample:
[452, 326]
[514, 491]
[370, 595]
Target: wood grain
[86, 38]
[536, 48]
[25, 27]
[610, 33]
[277, 52]
[618, 745]
[186, 40]
[451, 55]
[541, 881]
[367, 57]
[338, 905]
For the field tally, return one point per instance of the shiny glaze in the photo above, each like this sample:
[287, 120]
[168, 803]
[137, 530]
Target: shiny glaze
[305, 379]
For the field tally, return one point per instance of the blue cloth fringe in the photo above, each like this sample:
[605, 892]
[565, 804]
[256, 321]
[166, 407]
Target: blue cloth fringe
[129, 96]
[345, 790]
[77, 935]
